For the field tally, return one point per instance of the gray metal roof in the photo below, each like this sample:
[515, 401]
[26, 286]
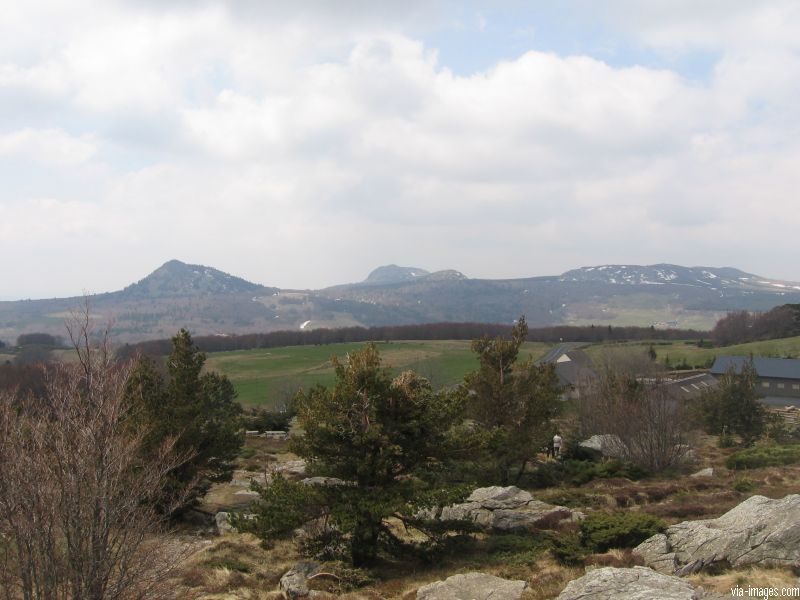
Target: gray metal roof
[779, 368]
[557, 351]
[572, 365]
[691, 387]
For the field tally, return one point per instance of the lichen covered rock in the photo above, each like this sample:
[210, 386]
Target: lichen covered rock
[759, 531]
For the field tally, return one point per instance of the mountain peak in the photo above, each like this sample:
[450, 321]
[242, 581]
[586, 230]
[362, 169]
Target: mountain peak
[394, 274]
[176, 278]
[714, 278]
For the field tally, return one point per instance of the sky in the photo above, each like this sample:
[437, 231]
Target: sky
[303, 144]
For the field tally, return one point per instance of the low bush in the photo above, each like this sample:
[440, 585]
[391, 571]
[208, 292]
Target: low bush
[575, 499]
[567, 548]
[603, 531]
[261, 419]
[744, 485]
[282, 506]
[579, 472]
[516, 549]
[247, 452]
[766, 456]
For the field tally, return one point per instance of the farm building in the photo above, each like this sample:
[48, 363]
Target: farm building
[691, 387]
[778, 378]
[572, 365]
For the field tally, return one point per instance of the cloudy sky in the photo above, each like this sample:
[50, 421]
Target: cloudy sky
[304, 146]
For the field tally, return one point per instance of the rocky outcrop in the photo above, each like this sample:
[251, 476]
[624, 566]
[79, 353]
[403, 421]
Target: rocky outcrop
[223, 522]
[473, 586]
[607, 445]
[638, 583]
[759, 531]
[322, 481]
[243, 478]
[294, 582]
[707, 472]
[508, 509]
[291, 468]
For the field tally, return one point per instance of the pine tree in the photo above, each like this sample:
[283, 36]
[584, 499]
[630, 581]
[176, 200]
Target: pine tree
[389, 441]
[514, 402]
[733, 406]
[200, 409]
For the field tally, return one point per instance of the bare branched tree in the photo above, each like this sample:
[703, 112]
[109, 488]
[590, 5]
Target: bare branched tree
[643, 422]
[76, 490]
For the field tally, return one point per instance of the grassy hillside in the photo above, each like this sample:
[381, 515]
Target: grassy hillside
[271, 376]
[690, 353]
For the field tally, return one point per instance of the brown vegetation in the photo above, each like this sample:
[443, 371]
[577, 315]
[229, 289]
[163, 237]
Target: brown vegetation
[76, 491]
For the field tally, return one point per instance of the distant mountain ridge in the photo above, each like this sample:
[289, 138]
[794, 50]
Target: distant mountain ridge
[715, 278]
[393, 274]
[210, 302]
[390, 274]
[175, 278]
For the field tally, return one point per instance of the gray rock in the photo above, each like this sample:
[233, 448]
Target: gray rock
[473, 586]
[292, 467]
[759, 531]
[243, 478]
[638, 583]
[508, 509]
[500, 497]
[323, 481]
[294, 582]
[707, 472]
[223, 521]
[534, 515]
[608, 445]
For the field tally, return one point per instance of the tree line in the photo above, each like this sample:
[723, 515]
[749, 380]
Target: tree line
[428, 331]
[743, 326]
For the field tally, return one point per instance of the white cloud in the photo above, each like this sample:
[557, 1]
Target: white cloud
[49, 146]
[301, 147]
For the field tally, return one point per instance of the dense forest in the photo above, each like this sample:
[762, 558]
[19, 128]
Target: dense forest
[743, 326]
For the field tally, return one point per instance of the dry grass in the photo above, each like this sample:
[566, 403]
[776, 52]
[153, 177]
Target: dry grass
[548, 579]
[753, 576]
[617, 557]
[235, 566]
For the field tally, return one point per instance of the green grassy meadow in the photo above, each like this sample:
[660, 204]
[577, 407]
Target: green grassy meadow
[688, 352]
[270, 377]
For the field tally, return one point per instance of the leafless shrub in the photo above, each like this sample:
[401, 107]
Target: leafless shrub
[76, 491]
[648, 425]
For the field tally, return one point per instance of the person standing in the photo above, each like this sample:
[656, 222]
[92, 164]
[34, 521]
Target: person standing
[557, 441]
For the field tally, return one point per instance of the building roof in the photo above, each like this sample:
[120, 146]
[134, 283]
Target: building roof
[690, 387]
[571, 364]
[778, 368]
[557, 351]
